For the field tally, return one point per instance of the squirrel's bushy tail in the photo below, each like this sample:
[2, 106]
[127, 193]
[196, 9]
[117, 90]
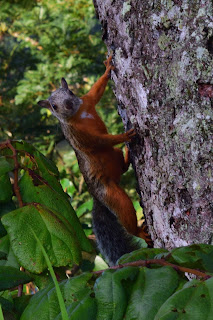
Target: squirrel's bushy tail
[112, 238]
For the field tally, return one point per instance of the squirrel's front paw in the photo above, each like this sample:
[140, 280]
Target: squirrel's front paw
[109, 66]
[142, 232]
[107, 62]
[130, 134]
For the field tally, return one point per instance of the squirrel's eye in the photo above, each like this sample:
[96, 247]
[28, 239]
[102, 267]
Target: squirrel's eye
[54, 107]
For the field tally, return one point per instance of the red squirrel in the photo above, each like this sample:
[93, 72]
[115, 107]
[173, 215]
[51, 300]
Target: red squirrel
[99, 161]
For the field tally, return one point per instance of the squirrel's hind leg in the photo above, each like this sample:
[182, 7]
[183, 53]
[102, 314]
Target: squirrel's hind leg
[118, 202]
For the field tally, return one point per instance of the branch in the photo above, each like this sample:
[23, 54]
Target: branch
[16, 189]
[146, 263]
[16, 168]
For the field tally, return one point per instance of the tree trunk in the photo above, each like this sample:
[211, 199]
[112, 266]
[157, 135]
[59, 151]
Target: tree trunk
[163, 58]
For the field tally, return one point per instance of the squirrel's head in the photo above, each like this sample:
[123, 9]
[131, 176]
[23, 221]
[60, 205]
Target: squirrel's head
[62, 102]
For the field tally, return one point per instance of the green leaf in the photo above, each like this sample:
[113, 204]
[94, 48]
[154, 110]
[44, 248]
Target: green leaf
[110, 293]
[46, 166]
[11, 277]
[194, 256]
[1, 313]
[141, 254]
[5, 244]
[49, 172]
[5, 208]
[42, 280]
[78, 296]
[134, 293]
[6, 304]
[139, 242]
[194, 301]
[84, 208]
[150, 290]
[5, 166]
[2, 255]
[100, 264]
[6, 248]
[59, 243]
[46, 195]
[6, 190]
[24, 146]
[20, 303]
[68, 186]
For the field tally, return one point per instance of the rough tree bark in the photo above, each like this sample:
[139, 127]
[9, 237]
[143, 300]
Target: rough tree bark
[163, 57]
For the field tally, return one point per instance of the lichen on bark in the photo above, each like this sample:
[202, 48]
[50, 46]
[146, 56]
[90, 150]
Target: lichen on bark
[162, 54]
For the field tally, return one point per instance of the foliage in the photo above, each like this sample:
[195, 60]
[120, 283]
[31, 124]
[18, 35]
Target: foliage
[41, 232]
[42, 41]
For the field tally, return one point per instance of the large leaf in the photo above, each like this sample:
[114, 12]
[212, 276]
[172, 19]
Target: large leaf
[194, 256]
[134, 293]
[59, 243]
[194, 301]
[11, 277]
[112, 297]
[78, 296]
[46, 195]
[150, 290]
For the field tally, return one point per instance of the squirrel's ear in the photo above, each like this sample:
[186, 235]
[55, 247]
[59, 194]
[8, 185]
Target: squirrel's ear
[64, 84]
[44, 104]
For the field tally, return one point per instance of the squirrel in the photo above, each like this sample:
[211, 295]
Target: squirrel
[114, 216]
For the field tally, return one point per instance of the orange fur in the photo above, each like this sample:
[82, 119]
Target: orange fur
[100, 162]
[95, 141]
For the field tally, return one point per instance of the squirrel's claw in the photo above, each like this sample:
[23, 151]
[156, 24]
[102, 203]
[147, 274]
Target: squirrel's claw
[108, 65]
[130, 134]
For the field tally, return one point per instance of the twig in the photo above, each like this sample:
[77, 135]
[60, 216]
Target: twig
[16, 168]
[145, 263]
[81, 184]
[15, 187]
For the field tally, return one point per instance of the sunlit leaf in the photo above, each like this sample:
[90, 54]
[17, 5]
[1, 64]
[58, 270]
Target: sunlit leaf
[59, 243]
[46, 194]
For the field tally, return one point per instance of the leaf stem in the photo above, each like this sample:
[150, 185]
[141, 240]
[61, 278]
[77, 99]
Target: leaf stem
[1, 313]
[58, 291]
